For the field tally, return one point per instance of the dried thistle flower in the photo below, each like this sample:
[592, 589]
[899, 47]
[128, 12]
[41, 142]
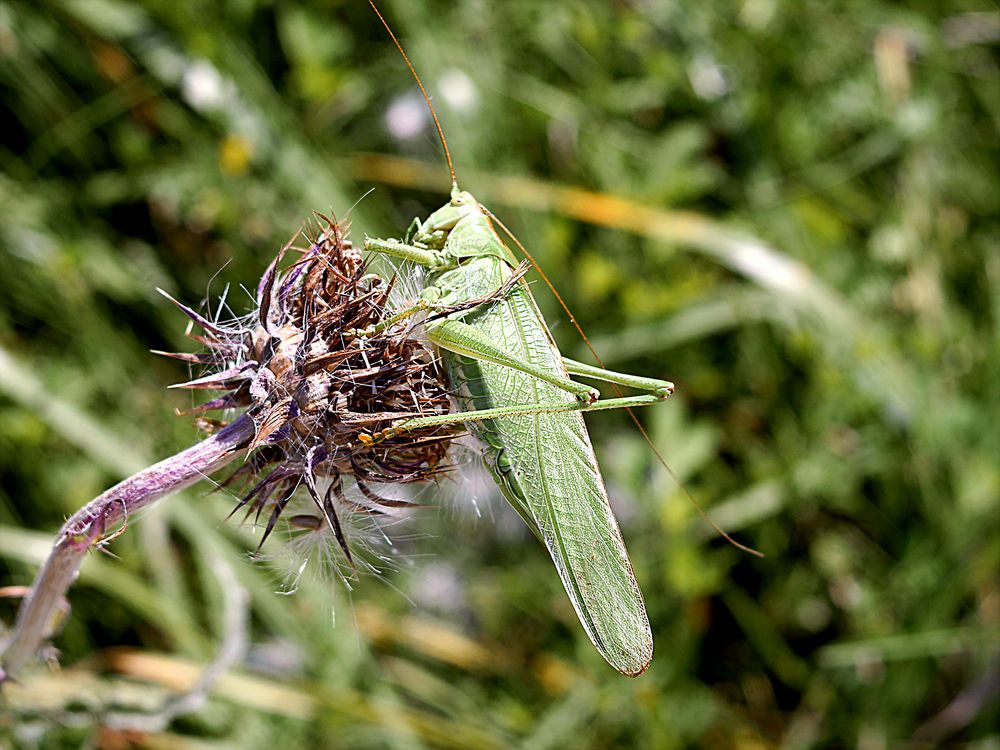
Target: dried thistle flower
[320, 365]
[312, 386]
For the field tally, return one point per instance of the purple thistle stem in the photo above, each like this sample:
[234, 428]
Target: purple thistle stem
[88, 526]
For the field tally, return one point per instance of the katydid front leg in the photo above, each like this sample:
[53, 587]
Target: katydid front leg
[430, 300]
[432, 259]
[425, 302]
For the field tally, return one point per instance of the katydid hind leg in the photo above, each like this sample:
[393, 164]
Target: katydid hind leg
[469, 341]
[661, 388]
[504, 412]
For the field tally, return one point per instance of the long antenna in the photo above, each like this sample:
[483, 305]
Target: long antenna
[631, 413]
[437, 123]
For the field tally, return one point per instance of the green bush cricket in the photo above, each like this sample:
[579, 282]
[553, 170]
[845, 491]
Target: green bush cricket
[519, 399]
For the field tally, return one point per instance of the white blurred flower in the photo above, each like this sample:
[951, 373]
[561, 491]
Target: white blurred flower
[458, 90]
[203, 87]
[407, 116]
[707, 78]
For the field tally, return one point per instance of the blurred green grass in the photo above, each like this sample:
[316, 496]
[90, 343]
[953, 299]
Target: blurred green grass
[791, 210]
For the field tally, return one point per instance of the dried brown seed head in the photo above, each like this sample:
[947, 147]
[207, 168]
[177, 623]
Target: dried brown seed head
[314, 389]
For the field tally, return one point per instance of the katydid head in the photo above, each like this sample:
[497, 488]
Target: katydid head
[434, 231]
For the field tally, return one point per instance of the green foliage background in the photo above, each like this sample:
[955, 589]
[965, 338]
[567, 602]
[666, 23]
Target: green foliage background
[794, 216]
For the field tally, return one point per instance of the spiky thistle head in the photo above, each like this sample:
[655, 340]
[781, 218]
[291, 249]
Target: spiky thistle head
[314, 385]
